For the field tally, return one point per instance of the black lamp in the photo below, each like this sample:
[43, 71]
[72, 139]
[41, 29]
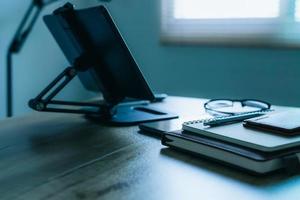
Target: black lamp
[17, 42]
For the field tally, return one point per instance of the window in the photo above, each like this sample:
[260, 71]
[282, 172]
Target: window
[255, 22]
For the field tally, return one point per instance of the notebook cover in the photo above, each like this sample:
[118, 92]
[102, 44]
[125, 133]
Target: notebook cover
[229, 147]
[239, 135]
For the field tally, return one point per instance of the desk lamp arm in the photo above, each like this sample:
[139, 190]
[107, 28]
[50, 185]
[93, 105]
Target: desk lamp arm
[30, 17]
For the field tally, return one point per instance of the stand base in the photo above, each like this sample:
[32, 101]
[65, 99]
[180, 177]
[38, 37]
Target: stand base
[133, 115]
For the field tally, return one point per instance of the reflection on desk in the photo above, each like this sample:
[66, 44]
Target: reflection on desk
[63, 156]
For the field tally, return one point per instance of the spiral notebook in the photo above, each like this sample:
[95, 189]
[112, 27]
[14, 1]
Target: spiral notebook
[239, 135]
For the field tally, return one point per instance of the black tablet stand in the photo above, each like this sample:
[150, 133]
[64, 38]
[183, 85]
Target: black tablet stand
[112, 109]
[126, 113]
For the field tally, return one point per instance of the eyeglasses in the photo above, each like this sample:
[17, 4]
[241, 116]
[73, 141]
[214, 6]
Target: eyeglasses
[235, 106]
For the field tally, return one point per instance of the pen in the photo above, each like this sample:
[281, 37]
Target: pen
[233, 118]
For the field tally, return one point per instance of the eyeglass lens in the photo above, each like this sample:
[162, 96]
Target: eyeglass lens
[253, 103]
[234, 107]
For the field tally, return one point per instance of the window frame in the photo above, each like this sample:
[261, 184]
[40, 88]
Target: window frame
[272, 37]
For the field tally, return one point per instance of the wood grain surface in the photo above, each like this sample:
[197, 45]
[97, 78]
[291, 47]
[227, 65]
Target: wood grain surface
[63, 156]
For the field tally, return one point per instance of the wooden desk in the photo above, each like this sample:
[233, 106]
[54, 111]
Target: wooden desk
[60, 156]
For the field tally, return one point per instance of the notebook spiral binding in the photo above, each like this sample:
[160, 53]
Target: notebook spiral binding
[198, 121]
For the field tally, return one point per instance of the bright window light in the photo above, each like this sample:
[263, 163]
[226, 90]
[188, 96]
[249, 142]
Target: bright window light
[250, 22]
[297, 11]
[227, 9]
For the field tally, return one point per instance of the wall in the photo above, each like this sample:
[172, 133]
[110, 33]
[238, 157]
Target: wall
[211, 72]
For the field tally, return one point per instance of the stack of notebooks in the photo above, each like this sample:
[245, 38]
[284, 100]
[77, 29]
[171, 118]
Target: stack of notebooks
[253, 150]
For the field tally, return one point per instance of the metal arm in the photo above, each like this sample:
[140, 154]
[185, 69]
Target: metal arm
[44, 101]
[16, 44]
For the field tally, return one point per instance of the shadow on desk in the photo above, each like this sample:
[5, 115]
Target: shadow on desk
[149, 134]
[53, 146]
[224, 170]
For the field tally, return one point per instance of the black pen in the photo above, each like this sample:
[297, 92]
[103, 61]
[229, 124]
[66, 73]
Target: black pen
[233, 118]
